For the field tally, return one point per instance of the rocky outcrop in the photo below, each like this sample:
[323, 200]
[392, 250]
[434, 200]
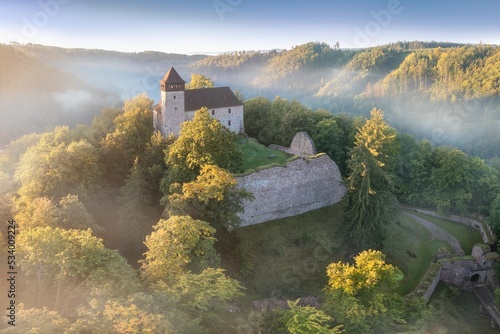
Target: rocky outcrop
[300, 186]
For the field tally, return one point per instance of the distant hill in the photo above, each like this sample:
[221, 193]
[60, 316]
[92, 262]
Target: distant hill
[447, 92]
[122, 74]
[35, 96]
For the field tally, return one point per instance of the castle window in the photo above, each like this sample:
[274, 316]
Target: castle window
[229, 110]
[213, 112]
[228, 123]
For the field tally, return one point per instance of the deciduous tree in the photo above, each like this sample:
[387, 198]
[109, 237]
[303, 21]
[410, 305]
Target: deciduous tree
[494, 217]
[57, 166]
[177, 245]
[38, 320]
[358, 294]
[136, 122]
[212, 197]
[199, 81]
[307, 320]
[71, 264]
[203, 141]
[204, 295]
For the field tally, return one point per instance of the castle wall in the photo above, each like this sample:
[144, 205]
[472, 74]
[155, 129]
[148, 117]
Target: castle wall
[230, 117]
[300, 186]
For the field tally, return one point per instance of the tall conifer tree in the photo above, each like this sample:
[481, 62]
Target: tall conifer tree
[370, 204]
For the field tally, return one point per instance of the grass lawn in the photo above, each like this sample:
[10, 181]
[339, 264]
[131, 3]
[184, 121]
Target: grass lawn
[288, 257]
[466, 236]
[255, 154]
[410, 247]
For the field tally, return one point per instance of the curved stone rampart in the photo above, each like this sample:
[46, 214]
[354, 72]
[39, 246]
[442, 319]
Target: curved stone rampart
[299, 186]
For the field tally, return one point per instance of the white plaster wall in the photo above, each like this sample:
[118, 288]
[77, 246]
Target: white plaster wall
[224, 116]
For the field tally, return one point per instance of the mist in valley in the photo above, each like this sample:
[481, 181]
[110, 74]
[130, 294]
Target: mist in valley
[44, 87]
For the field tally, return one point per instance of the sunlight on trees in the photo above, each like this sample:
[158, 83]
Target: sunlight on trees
[203, 141]
[177, 245]
[136, 122]
[358, 294]
[199, 81]
[69, 263]
[213, 197]
[307, 320]
[57, 166]
[370, 206]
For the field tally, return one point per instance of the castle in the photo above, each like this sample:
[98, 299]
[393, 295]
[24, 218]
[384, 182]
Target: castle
[306, 182]
[178, 105]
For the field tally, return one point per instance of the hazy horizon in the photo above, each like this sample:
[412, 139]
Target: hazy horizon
[217, 26]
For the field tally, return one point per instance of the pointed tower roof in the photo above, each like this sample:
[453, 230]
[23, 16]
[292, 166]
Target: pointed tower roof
[172, 77]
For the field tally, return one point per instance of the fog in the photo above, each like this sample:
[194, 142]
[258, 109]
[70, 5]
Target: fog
[73, 100]
[106, 78]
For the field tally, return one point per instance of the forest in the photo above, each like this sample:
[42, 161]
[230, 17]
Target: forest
[445, 92]
[120, 230]
[170, 208]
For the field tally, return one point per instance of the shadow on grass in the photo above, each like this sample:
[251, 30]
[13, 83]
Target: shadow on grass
[288, 257]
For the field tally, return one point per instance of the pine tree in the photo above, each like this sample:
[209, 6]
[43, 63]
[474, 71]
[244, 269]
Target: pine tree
[134, 201]
[370, 204]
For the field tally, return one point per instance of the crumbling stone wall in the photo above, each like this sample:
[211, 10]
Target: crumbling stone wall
[459, 271]
[302, 146]
[300, 186]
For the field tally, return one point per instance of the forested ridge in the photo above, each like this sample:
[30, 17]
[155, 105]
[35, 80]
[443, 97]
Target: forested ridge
[124, 231]
[170, 208]
[446, 92]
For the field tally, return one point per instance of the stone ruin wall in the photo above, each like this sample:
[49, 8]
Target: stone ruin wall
[302, 145]
[300, 186]
[459, 270]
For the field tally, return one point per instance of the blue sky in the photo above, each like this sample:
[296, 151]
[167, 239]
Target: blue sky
[194, 26]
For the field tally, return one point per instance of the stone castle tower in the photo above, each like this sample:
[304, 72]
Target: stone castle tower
[178, 105]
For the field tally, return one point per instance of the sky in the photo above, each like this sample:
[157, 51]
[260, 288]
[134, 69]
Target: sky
[214, 26]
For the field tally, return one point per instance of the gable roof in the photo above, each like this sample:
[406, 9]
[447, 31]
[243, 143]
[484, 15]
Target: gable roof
[220, 97]
[172, 77]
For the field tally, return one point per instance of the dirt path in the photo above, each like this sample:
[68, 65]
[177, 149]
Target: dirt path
[438, 233]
